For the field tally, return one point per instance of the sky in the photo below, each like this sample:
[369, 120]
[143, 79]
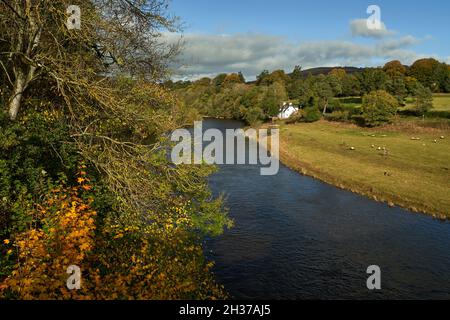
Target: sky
[250, 35]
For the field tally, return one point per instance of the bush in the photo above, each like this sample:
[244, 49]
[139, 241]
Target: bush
[438, 114]
[307, 115]
[378, 107]
[339, 116]
[312, 115]
[160, 259]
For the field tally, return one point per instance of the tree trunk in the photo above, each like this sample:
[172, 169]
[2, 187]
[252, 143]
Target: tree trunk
[16, 99]
[325, 108]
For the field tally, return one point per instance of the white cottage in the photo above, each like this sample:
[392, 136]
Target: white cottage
[287, 110]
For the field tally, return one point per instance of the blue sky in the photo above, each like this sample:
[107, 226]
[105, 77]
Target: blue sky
[310, 33]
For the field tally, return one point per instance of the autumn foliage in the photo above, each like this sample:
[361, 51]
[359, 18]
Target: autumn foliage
[158, 260]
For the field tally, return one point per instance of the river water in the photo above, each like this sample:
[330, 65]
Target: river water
[298, 238]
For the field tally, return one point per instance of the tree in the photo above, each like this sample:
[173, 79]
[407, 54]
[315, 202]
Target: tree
[219, 79]
[297, 73]
[203, 82]
[423, 100]
[411, 84]
[273, 99]
[121, 37]
[95, 95]
[394, 67]
[432, 74]
[372, 79]
[241, 77]
[396, 86]
[324, 92]
[269, 79]
[336, 79]
[233, 78]
[262, 76]
[351, 86]
[378, 107]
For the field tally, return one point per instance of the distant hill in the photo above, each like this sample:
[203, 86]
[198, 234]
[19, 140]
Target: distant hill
[326, 70]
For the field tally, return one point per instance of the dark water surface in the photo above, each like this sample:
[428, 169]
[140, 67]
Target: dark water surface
[298, 238]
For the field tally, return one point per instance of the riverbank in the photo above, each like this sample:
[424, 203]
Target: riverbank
[402, 165]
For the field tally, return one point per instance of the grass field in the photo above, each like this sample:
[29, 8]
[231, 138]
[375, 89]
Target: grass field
[441, 102]
[384, 163]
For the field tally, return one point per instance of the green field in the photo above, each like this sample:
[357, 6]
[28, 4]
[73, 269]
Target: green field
[384, 163]
[441, 102]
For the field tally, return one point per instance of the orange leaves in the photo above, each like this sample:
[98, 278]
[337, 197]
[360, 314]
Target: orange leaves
[156, 258]
[82, 180]
[86, 187]
[63, 236]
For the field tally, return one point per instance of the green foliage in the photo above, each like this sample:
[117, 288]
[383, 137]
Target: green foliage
[394, 68]
[229, 97]
[372, 80]
[35, 152]
[423, 100]
[432, 74]
[378, 107]
[311, 115]
[307, 115]
[338, 116]
[232, 79]
[296, 73]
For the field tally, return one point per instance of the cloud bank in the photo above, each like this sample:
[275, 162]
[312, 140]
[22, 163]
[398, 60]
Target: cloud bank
[208, 55]
[359, 28]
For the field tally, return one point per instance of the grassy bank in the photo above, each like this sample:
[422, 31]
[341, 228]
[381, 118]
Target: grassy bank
[385, 164]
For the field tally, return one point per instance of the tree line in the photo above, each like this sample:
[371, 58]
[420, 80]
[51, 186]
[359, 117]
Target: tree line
[230, 96]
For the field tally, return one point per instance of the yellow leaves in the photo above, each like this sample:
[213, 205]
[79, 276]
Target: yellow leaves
[64, 238]
[80, 180]
[152, 260]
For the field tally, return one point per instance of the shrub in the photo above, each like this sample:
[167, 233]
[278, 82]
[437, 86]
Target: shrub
[311, 115]
[378, 107]
[160, 259]
[438, 114]
[339, 116]
[307, 115]
[423, 100]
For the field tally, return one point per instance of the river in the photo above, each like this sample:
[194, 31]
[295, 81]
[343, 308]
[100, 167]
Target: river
[298, 238]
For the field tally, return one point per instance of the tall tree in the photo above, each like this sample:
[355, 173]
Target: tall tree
[423, 100]
[432, 74]
[297, 73]
[114, 36]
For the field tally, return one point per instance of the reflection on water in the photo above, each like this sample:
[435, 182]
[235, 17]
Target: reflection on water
[298, 238]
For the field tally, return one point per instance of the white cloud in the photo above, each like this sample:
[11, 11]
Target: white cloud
[359, 28]
[207, 55]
